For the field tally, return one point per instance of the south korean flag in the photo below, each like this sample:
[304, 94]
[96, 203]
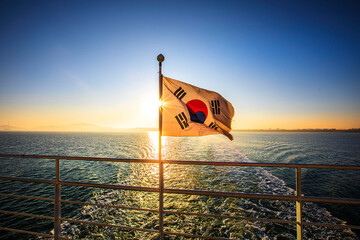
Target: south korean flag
[193, 111]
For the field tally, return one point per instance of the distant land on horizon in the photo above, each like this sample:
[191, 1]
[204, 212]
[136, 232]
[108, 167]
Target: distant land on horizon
[86, 127]
[78, 127]
[298, 130]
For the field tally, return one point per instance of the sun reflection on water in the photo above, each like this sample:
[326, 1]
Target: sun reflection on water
[154, 141]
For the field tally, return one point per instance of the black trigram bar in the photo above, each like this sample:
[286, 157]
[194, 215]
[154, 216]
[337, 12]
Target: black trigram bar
[180, 93]
[182, 120]
[212, 125]
[215, 105]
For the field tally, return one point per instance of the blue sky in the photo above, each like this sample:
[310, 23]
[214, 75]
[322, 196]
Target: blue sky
[281, 64]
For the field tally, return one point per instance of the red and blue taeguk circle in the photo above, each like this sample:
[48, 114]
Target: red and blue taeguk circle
[198, 110]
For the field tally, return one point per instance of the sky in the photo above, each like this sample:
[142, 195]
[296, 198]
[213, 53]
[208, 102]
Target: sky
[282, 64]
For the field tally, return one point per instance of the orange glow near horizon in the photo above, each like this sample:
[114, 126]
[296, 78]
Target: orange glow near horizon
[143, 113]
[300, 121]
[147, 117]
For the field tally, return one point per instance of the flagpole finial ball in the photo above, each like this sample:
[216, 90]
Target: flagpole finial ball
[160, 58]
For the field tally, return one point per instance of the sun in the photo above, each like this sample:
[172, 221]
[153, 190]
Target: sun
[150, 107]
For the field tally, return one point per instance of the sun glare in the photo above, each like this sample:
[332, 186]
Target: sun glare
[150, 107]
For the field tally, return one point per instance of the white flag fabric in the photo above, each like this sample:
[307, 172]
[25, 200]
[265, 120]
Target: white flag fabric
[193, 111]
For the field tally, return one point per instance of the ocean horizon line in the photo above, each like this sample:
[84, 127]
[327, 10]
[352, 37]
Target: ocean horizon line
[95, 128]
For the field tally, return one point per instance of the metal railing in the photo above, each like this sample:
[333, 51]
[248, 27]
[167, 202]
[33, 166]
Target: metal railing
[299, 198]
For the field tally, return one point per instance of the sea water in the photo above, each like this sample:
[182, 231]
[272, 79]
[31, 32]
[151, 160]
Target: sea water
[304, 148]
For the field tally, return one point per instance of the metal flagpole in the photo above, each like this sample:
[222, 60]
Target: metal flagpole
[161, 58]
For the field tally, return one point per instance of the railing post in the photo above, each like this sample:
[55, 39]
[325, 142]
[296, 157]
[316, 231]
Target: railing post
[57, 206]
[299, 224]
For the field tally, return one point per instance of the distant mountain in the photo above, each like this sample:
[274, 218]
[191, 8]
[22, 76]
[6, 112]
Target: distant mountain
[46, 128]
[79, 127]
[141, 129]
[9, 128]
[298, 130]
[87, 127]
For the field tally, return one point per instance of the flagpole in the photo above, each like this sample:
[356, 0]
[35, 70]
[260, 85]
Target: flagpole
[161, 58]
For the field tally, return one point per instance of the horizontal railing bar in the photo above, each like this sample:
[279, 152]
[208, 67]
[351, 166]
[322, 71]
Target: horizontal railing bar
[331, 225]
[217, 163]
[112, 206]
[26, 215]
[262, 196]
[36, 180]
[27, 197]
[109, 225]
[264, 220]
[26, 232]
[109, 186]
[183, 213]
[219, 194]
[252, 164]
[193, 192]
[231, 194]
[232, 217]
[331, 200]
[195, 236]
[81, 158]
